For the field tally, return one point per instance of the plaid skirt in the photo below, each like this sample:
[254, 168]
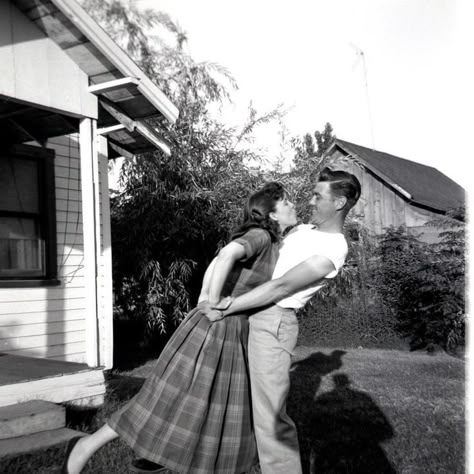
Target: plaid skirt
[193, 414]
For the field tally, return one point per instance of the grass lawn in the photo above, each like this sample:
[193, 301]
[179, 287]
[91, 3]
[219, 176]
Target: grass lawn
[357, 410]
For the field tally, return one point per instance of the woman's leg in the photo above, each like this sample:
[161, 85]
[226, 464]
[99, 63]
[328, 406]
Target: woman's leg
[87, 446]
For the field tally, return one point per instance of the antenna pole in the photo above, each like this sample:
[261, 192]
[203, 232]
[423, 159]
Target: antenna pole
[368, 101]
[361, 55]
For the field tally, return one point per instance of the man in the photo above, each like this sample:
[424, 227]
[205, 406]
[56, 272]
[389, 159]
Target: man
[308, 255]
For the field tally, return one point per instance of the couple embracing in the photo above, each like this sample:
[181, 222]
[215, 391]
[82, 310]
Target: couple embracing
[216, 397]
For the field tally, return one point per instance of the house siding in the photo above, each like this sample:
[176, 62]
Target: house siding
[50, 322]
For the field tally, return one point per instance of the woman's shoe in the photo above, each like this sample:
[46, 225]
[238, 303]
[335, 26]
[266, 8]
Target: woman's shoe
[143, 466]
[70, 446]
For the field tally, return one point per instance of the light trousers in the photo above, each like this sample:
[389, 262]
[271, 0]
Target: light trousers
[272, 340]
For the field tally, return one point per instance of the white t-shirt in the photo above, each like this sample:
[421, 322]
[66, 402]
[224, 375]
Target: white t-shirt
[301, 244]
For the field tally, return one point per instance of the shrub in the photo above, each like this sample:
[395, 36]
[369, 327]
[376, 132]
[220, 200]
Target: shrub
[424, 284]
[348, 311]
[394, 286]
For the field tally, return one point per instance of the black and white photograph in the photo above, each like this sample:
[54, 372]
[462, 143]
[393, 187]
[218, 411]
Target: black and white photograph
[235, 236]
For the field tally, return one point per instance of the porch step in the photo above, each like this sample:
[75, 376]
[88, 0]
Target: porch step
[32, 442]
[30, 417]
[83, 387]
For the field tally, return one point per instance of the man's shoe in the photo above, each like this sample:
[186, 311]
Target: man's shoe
[142, 465]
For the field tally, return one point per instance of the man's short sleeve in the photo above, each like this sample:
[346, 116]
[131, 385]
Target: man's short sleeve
[337, 253]
[253, 241]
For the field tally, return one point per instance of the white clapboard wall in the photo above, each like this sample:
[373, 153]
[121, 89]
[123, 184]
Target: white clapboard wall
[50, 322]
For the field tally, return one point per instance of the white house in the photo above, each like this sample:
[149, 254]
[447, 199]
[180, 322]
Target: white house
[70, 98]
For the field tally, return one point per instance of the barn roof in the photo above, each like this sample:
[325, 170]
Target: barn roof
[419, 183]
[127, 96]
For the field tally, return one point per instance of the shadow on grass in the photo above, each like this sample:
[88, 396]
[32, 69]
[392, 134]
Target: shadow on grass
[132, 348]
[123, 387]
[80, 418]
[340, 431]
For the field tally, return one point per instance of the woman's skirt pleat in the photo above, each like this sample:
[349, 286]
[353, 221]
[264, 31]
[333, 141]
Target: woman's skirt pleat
[193, 413]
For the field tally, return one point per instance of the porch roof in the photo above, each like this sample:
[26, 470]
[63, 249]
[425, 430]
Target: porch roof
[127, 96]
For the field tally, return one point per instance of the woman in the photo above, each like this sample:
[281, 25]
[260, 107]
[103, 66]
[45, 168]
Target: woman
[192, 415]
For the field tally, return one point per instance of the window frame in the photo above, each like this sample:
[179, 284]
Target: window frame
[47, 215]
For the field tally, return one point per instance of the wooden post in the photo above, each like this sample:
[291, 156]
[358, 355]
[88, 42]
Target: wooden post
[105, 274]
[89, 190]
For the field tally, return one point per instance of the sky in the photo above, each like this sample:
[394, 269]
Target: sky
[408, 95]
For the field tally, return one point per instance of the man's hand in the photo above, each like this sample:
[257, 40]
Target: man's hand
[214, 315]
[224, 303]
[210, 312]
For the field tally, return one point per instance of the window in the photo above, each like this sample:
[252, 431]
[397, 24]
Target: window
[27, 214]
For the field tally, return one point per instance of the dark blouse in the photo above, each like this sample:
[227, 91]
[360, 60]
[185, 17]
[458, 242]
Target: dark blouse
[257, 266]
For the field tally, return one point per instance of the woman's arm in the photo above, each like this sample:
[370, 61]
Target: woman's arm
[206, 282]
[217, 272]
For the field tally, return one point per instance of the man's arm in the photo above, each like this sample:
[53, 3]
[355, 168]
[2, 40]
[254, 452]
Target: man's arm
[304, 275]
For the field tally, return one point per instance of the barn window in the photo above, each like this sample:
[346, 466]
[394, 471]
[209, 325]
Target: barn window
[27, 215]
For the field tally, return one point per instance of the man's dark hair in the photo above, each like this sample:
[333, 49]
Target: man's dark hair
[342, 184]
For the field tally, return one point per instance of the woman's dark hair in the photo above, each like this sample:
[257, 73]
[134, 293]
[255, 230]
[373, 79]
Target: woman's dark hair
[257, 211]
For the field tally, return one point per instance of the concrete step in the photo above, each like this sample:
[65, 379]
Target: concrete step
[43, 440]
[30, 417]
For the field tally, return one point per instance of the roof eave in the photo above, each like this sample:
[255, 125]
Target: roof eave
[119, 58]
[385, 178]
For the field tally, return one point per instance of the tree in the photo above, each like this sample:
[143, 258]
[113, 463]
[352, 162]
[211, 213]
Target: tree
[324, 140]
[174, 211]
